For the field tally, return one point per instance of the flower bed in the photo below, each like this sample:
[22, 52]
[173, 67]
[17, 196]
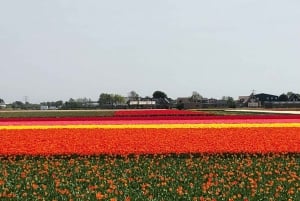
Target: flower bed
[153, 117]
[150, 137]
[197, 177]
[158, 112]
[134, 158]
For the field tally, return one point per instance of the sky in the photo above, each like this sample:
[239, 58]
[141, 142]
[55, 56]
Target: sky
[60, 49]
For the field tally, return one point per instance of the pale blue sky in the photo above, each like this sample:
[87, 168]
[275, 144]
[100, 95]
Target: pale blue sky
[58, 49]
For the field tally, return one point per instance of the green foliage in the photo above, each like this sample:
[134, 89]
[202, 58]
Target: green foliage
[72, 104]
[196, 96]
[55, 104]
[283, 97]
[158, 177]
[111, 99]
[180, 105]
[118, 99]
[79, 103]
[159, 94]
[105, 98]
[18, 105]
[132, 95]
[230, 101]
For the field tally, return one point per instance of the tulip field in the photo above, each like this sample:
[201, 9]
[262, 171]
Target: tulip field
[150, 155]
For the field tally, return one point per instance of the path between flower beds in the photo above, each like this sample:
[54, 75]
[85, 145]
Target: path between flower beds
[267, 111]
[85, 137]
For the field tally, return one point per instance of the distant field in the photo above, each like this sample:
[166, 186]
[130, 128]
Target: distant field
[224, 112]
[98, 113]
[56, 113]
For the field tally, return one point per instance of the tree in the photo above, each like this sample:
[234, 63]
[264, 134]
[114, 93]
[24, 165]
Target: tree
[72, 104]
[132, 95]
[2, 103]
[82, 100]
[196, 96]
[71, 100]
[59, 103]
[289, 93]
[105, 99]
[159, 95]
[111, 99]
[54, 104]
[118, 99]
[18, 104]
[283, 97]
[230, 101]
[180, 105]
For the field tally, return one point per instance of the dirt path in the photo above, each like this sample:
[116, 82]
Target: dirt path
[266, 111]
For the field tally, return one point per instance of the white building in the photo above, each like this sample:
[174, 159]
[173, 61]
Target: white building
[44, 107]
[2, 105]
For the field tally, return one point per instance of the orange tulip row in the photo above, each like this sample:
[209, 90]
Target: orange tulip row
[86, 141]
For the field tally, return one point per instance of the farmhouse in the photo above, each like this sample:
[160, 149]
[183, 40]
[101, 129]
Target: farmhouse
[294, 97]
[257, 100]
[142, 103]
[150, 103]
[266, 97]
[188, 103]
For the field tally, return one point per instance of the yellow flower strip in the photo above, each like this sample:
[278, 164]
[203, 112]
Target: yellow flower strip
[157, 126]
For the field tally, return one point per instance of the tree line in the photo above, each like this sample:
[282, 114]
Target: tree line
[111, 100]
[105, 99]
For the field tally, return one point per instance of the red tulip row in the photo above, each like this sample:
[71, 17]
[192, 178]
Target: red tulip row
[155, 112]
[153, 118]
